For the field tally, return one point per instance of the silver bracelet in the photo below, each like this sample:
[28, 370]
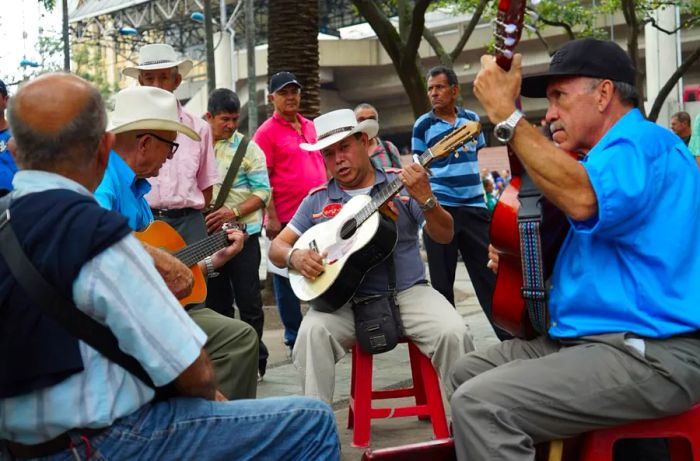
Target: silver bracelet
[288, 259]
[209, 264]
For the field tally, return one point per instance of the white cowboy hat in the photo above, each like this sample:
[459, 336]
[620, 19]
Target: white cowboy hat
[158, 56]
[337, 125]
[147, 108]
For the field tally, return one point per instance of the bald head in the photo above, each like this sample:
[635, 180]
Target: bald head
[57, 119]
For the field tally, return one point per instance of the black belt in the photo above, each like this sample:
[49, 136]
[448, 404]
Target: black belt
[175, 213]
[50, 447]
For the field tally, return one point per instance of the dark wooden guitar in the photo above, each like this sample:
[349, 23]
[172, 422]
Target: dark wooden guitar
[358, 238]
[161, 235]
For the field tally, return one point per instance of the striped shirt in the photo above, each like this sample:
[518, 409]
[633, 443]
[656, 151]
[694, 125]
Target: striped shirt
[455, 180]
[250, 180]
[111, 288]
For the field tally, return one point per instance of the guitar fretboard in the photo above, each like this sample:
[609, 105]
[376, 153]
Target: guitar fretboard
[192, 254]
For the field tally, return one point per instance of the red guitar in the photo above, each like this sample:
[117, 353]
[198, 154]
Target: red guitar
[508, 306]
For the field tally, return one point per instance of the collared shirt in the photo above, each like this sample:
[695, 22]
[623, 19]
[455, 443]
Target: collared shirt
[250, 180]
[8, 168]
[122, 191]
[385, 158]
[455, 180]
[111, 288]
[293, 171]
[694, 144]
[635, 266]
[192, 169]
[325, 202]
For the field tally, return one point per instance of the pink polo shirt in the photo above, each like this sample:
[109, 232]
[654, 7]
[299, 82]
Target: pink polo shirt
[293, 171]
[192, 169]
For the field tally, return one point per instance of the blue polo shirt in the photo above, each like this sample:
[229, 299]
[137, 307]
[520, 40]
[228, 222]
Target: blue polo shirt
[455, 180]
[121, 191]
[324, 202]
[635, 266]
[7, 163]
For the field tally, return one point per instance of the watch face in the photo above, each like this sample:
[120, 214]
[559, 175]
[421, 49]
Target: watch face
[503, 133]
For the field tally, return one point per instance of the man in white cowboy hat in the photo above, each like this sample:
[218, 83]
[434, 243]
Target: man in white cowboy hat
[145, 123]
[59, 397]
[183, 186]
[429, 320]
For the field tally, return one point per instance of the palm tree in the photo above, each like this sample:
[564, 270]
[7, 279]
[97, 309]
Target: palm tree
[293, 46]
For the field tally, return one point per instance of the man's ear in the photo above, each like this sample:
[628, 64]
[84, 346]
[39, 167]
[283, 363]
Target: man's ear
[607, 92]
[178, 79]
[270, 97]
[208, 116]
[140, 80]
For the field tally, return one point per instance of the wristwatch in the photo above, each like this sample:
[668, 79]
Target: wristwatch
[209, 264]
[429, 204]
[505, 130]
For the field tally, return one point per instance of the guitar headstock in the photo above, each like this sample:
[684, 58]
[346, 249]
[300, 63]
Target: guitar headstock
[459, 137]
[509, 26]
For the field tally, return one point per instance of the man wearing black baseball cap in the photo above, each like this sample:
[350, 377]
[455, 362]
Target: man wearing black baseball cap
[623, 339]
[293, 172]
[7, 162]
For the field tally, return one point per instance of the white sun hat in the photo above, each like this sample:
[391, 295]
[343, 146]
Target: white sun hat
[337, 125]
[158, 56]
[147, 108]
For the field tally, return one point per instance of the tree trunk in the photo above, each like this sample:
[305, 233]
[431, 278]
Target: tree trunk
[671, 82]
[630, 13]
[293, 47]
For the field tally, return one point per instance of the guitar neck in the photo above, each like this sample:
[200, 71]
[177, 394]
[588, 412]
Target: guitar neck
[388, 191]
[192, 254]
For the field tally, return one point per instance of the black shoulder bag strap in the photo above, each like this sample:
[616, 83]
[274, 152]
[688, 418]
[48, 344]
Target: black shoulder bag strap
[43, 294]
[231, 174]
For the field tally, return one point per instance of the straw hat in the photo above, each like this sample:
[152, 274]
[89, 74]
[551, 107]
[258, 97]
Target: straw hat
[337, 125]
[158, 56]
[147, 108]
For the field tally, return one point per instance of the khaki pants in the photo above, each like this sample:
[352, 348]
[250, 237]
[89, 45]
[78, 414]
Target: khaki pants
[232, 346]
[518, 393]
[429, 320]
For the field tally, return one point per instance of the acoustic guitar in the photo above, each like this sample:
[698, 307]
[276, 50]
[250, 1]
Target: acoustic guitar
[161, 235]
[358, 238]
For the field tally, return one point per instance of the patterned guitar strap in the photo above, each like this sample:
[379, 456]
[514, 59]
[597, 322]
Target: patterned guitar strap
[534, 290]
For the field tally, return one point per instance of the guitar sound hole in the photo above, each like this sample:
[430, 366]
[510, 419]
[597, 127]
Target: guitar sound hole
[348, 229]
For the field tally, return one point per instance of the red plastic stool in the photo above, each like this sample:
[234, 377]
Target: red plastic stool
[598, 445]
[426, 389]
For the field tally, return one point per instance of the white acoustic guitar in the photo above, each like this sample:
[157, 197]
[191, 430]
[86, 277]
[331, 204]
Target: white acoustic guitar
[358, 238]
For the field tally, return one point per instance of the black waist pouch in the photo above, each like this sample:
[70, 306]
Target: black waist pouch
[378, 324]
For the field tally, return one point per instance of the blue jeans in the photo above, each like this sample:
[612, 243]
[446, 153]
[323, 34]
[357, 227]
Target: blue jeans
[280, 429]
[288, 307]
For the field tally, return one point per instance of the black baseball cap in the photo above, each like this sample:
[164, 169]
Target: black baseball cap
[586, 57]
[3, 88]
[282, 79]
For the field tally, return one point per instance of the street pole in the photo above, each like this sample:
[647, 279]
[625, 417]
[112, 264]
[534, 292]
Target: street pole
[250, 47]
[66, 38]
[209, 32]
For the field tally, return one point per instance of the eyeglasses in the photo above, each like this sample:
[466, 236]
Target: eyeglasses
[173, 145]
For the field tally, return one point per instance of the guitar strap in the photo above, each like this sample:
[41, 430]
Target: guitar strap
[65, 312]
[533, 291]
[231, 174]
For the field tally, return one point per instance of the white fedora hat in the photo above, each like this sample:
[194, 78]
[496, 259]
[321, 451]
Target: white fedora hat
[147, 108]
[158, 56]
[337, 125]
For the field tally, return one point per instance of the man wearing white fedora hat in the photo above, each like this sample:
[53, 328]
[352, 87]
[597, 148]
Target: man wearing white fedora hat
[183, 186]
[59, 397]
[145, 123]
[428, 318]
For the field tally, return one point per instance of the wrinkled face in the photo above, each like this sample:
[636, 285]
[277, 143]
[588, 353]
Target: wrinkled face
[679, 127]
[153, 152]
[286, 100]
[223, 124]
[572, 114]
[443, 96]
[348, 162]
[165, 79]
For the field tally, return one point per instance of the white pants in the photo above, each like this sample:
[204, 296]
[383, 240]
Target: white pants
[429, 320]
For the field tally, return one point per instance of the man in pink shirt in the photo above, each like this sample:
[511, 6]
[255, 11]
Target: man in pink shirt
[183, 186]
[293, 173]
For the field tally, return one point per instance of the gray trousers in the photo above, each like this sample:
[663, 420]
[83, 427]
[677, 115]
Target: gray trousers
[518, 393]
[429, 320]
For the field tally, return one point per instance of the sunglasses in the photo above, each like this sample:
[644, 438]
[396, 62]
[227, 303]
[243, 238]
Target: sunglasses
[173, 145]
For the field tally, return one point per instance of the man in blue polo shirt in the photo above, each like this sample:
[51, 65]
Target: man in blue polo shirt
[457, 185]
[145, 123]
[7, 163]
[624, 337]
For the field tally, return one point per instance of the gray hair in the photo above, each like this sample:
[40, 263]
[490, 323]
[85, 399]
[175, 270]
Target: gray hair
[77, 141]
[366, 105]
[626, 92]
